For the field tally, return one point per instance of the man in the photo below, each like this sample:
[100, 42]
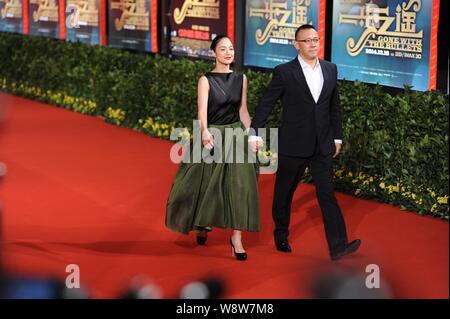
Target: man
[310, 135]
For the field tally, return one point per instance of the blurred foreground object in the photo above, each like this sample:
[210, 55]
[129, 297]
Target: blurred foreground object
[211, 288]
[346, 284]
[142, 288]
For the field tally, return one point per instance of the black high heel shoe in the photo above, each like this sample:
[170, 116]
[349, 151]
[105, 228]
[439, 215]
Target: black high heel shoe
[201, 240]
[239, 256]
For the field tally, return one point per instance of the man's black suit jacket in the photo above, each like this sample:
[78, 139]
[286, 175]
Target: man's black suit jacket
[303, 120]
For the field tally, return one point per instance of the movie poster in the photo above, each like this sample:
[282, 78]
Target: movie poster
[11, 16]
[85, 21]
[194, 23]
[132, 24]
[390, 42]
[270, 27]
[46, 18]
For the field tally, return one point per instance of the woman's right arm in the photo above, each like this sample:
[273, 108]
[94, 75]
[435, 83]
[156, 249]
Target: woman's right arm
[202, 102]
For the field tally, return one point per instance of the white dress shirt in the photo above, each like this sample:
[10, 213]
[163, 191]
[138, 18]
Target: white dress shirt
[313, 76]
[314, 79]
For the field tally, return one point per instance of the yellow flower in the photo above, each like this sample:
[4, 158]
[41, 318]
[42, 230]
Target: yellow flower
[184, 135]
[434, 208]
[146, 124]
[338, 172]
[443, 199]
[117, 114]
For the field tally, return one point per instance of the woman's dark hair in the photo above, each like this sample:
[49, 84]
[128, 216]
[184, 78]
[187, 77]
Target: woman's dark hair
[216, 40]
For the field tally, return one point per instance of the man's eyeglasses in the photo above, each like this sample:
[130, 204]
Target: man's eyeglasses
[309, 41]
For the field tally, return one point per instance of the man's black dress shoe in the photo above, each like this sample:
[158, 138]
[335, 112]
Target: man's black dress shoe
[348, 249]
[201, 240]
[283, 245]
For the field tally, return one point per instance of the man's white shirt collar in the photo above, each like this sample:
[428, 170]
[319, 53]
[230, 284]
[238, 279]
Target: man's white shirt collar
[306, 65]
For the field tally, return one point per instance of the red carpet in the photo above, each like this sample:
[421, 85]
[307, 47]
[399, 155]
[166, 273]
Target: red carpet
[80, 191]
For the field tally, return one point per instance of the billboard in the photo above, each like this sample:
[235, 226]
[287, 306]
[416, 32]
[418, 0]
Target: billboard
[86, 21]
[390, 42]
[194, 23]
[46, 18]
[132, 24]
[11, 16]
[270, 27]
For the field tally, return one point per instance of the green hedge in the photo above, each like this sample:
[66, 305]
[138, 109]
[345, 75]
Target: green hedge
[395, 147]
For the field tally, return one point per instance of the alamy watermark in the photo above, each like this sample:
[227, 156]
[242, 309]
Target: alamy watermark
[73, 279]
[373, 279]
[230, 146]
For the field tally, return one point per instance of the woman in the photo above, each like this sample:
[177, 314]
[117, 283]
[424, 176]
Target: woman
[225, 195]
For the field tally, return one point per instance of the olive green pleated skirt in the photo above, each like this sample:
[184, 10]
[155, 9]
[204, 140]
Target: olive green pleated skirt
[224, 195]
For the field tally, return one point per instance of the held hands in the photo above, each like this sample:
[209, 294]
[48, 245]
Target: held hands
[207, 140]
[255, 143]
